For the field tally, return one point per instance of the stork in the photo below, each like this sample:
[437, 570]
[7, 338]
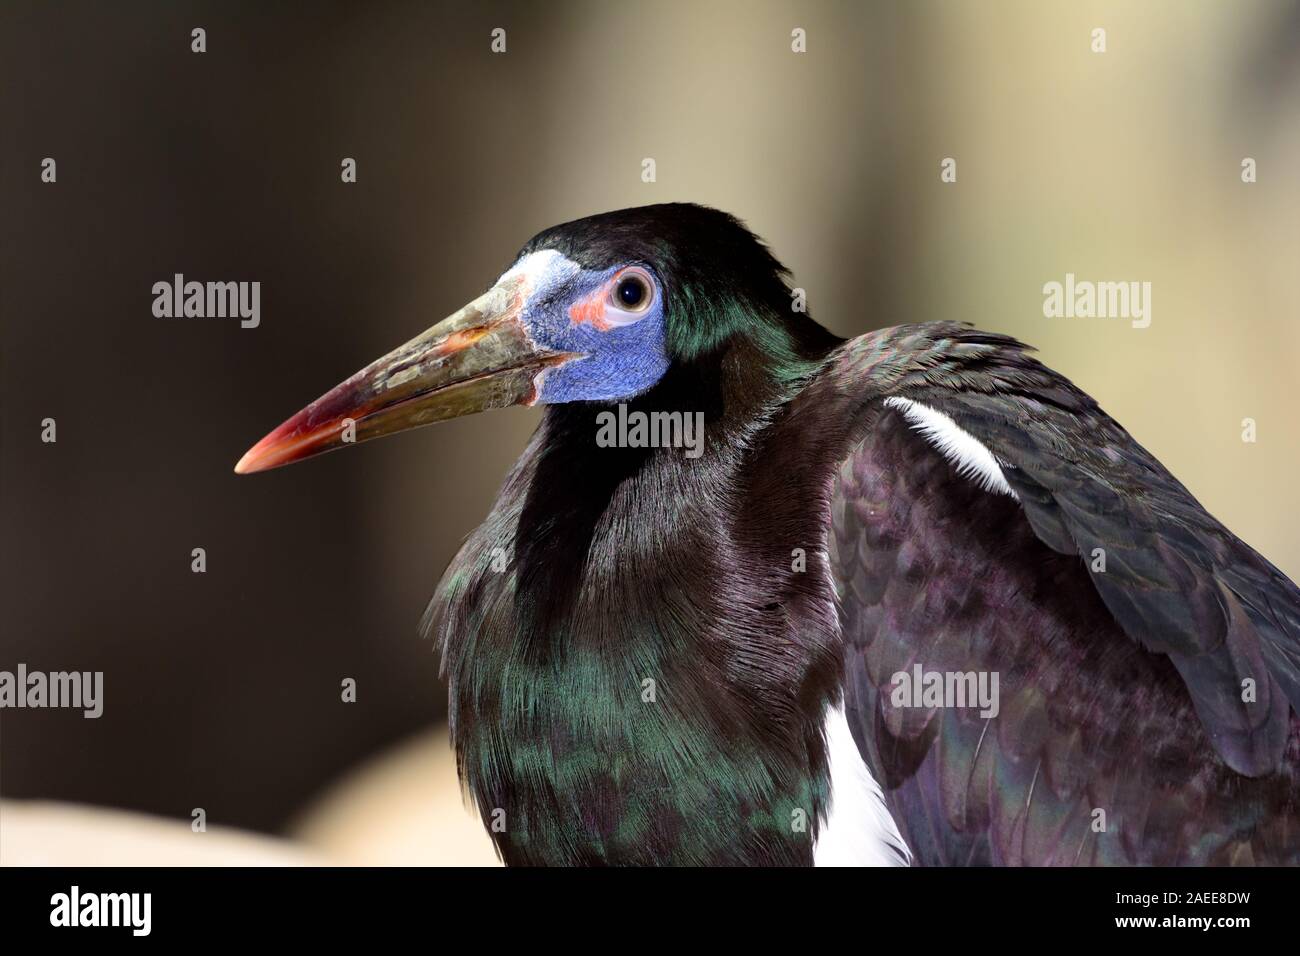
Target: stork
[660, 658]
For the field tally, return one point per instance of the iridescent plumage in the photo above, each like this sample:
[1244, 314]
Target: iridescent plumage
[642, 647]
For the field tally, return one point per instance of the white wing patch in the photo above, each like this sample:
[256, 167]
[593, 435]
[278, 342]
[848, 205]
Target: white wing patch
[971, 459]
[858, 830]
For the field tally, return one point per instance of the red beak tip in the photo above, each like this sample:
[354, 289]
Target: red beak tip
[246, 465]
[261, 457]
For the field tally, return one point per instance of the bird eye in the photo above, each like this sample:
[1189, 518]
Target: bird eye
[633, 291]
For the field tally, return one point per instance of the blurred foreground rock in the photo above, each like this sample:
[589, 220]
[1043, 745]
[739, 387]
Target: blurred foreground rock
[402, 808]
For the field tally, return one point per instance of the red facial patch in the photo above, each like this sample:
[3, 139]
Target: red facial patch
[590, 310]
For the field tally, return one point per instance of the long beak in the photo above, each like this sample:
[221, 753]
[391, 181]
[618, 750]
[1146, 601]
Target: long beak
[478, 358]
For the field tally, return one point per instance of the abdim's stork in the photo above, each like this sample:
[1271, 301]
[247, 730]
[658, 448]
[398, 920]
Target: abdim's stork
[660, 658]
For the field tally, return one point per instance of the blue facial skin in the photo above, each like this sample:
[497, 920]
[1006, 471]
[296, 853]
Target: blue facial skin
[621, 362]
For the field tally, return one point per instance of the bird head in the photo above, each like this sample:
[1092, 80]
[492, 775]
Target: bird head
[596, 310]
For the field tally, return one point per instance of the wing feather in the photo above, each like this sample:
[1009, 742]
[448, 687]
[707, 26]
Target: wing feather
[1126, 624]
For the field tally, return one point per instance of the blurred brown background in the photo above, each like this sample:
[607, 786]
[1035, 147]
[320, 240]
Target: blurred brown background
[223, 689]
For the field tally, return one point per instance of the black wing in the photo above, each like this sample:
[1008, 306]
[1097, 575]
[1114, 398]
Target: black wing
[1145, 711]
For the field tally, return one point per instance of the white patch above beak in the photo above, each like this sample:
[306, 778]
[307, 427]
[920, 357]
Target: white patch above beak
[541, 271]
